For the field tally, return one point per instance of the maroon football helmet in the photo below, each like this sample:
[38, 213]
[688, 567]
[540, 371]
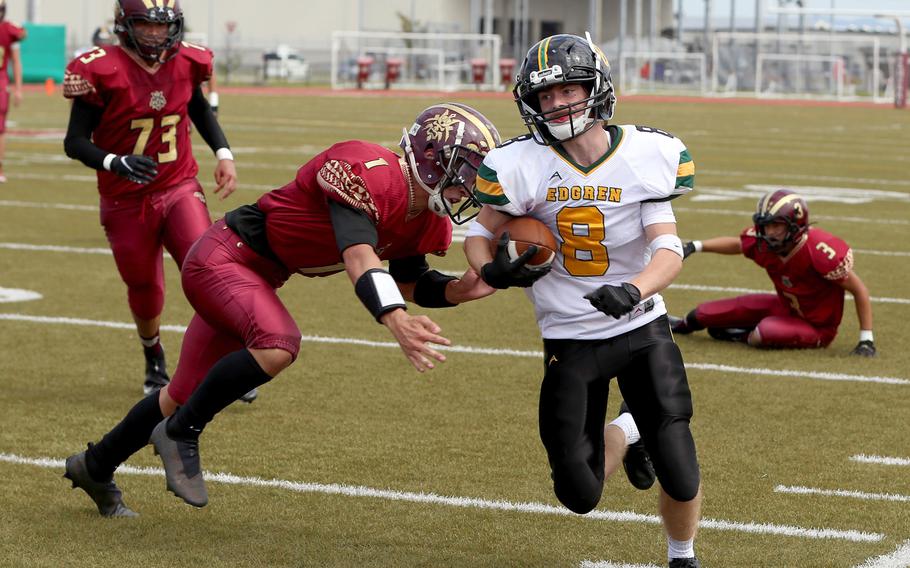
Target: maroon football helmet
[153, 49]
[444, 147]
[782, 206]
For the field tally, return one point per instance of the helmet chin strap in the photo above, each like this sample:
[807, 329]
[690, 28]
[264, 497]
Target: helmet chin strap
[435, 201]
[572, 127]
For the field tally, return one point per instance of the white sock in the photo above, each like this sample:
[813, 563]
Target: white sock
[680, 548]
[151, 342]
[627, 424]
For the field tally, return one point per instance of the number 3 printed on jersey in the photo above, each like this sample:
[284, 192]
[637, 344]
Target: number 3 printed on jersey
[168, 136]
[582, 231]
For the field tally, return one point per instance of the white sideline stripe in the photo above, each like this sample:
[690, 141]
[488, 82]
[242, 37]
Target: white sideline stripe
[606, 564]
[478, 350]
[473, 502]
[745, 216]
[699, 287]
[39, 205]
[880, 460]
[900, 558]
[798, 490]
[704, 288]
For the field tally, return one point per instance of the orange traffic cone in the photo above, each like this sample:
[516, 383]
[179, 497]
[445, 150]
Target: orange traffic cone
[49, 86]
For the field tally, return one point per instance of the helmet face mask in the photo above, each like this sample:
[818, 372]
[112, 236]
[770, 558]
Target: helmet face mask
[785, 207]
[444, 149]
[559, 60]
[148, 43]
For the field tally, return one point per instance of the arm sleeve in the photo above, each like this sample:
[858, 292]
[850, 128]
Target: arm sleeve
[84, 118]
[408, 269]
[351, 227]
[202, 116]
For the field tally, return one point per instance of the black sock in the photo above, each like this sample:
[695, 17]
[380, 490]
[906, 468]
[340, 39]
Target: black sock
[125, 439]
[231, 377]
[692, 322]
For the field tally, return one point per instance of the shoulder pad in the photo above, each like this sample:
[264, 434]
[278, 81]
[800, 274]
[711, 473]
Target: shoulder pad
[516, 139]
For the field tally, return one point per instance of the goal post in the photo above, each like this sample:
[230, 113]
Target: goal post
[428, 61]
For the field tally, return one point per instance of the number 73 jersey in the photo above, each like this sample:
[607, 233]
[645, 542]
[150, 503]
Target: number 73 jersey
[144, 112]
[598, 214]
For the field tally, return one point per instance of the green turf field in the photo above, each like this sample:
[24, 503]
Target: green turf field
[351, 458]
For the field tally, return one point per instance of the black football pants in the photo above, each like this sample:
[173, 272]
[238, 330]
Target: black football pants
[573, 403]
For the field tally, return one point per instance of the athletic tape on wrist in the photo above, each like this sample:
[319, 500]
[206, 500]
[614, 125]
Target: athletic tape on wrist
[224, 154]
[379, 293]
[107, 161]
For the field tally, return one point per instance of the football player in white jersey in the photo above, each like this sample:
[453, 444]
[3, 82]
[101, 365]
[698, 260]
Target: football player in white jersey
[604, 191]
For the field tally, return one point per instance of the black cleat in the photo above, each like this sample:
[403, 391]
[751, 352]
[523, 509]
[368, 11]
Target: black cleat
[679, 326]
[182, 467]
[637, 463]
[106, 495]
[735, 334]
[250, 396]
[684, 563]
[155, 374]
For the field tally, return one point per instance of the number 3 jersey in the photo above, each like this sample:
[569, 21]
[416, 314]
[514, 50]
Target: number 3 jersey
[598, 215]
[807, 278]
[145, 112]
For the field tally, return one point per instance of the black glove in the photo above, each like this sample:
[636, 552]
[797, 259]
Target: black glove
[615, 301]
[503, 273]
[138, 169]
[864, 349]
[688, 248]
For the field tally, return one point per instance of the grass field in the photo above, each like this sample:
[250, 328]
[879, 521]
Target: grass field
[350, 458]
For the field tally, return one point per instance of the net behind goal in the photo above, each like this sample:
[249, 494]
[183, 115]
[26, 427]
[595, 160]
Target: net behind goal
[428, 61]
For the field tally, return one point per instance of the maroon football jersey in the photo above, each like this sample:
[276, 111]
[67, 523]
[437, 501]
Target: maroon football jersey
[807, 279]
[10, 33]
[365, 176]
[145, 112]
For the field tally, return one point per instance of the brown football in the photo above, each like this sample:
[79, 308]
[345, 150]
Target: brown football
[524, 232]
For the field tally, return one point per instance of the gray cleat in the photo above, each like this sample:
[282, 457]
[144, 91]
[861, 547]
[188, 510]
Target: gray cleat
[106, 495]
[182, 467]
[250, 396]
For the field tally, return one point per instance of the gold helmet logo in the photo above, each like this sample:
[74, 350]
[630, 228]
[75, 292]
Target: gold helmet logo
[440, 127]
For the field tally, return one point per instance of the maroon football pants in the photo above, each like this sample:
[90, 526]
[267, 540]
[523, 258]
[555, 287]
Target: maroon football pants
[775, 326]
[233, 290]
[139, 226]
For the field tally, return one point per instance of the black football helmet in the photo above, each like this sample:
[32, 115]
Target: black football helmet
[127, 12]
[444, 147]
[781, 206]
[562, 59]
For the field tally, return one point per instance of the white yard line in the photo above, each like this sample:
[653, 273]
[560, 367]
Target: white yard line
[880, 460]
[900, 558]
[786, 373]
[476, 503]
[865, 496]
[606, 564]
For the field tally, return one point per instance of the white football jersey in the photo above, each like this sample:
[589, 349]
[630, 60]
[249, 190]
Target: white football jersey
[598, 215]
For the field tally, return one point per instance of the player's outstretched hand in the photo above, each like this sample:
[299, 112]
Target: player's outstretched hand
[469, 287]
[414, 335]
[225, 178]
[864, 349]
[688, 248]
[138, 169]
[615, 301]
[502, 272]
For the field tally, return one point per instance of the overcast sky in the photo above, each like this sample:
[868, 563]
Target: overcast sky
[694, 10]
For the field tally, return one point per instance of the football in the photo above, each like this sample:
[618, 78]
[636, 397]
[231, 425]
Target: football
[524, 232]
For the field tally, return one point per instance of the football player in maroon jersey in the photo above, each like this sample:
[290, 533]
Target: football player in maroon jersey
[130, 120]
[10, 36]
[348, 209]
[810, 269]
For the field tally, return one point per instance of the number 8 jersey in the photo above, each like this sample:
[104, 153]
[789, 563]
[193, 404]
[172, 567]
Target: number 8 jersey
[598, 214]
[144, 111]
